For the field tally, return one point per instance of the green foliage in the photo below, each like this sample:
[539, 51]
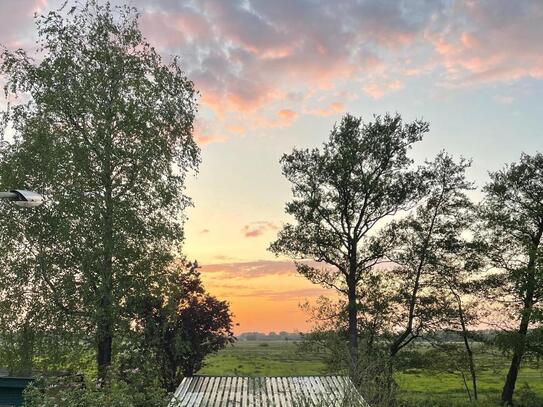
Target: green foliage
[129, 389]
[49, 352]
[511, 217]
[430, 252]
[104, 132]
[340, 192]
[526, 397]
[359, 177]
[180, 324]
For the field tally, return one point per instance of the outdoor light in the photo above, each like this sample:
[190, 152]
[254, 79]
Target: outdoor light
[21, 197]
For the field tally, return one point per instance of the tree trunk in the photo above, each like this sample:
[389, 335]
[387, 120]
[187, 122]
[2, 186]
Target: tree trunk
[26, 349]
[468, 348]
[512, 374]
[400, 341]
[104, 341]
[105, 322]
[353, 327]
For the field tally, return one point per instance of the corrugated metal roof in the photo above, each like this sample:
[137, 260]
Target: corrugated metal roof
[302, 391]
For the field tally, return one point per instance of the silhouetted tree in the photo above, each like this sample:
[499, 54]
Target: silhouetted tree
[512, 226]
[341, 192]
[180, 324]
[426, 240]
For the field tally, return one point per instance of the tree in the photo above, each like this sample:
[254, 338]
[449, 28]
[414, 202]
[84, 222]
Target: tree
[428, 244]
[512, 226]
[327, 338]
[105, 133]
[361, 176]
[180, 324]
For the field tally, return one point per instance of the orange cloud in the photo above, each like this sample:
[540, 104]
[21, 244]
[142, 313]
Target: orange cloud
[252, 269]
[287, 115]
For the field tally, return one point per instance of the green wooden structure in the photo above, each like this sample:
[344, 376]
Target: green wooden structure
[11, 390]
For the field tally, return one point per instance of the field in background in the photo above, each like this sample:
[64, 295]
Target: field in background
[280, 358]
[262, 358]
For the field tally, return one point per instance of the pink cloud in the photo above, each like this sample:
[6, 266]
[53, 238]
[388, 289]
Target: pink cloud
[377, 90]
[16, 21]
[256, 229]
[204, 135]
[493, 42]
[257, 50]
[248, 57]
[331, 109]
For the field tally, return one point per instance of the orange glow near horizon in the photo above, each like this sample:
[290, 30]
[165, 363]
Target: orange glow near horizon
[264, 296]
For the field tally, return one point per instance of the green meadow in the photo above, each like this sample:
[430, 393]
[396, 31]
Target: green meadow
[418, 387]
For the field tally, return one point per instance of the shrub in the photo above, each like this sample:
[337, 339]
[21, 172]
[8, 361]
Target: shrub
[526, 397]
[131, 389]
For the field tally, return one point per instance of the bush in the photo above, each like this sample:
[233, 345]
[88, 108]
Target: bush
[133, 389]
[526, 397]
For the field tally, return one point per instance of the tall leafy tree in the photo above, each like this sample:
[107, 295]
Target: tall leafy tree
[361, 176]
[103, 128]
[428, 242]
[512, 225]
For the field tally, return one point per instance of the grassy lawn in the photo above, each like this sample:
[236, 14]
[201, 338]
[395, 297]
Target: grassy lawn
[256, 358]
[280, 358]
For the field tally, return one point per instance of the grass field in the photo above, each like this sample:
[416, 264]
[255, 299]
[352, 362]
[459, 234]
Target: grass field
[281, 358]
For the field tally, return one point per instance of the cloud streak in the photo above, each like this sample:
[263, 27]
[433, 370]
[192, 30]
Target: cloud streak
[252, 269]
[256, 229]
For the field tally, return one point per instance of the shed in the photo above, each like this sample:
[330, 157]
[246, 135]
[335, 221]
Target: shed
[298, 391]
[11, 390]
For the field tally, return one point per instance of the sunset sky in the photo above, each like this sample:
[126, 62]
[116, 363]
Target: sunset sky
[274, 75]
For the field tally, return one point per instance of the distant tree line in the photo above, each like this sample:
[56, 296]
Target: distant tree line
[409, 251]
[271, 336]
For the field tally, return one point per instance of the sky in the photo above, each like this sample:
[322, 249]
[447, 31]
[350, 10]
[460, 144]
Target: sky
[275, 75]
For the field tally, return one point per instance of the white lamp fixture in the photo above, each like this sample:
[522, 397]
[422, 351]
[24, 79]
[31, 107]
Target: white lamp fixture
[24, 198]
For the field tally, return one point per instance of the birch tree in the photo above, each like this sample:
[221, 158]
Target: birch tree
[103, 129]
